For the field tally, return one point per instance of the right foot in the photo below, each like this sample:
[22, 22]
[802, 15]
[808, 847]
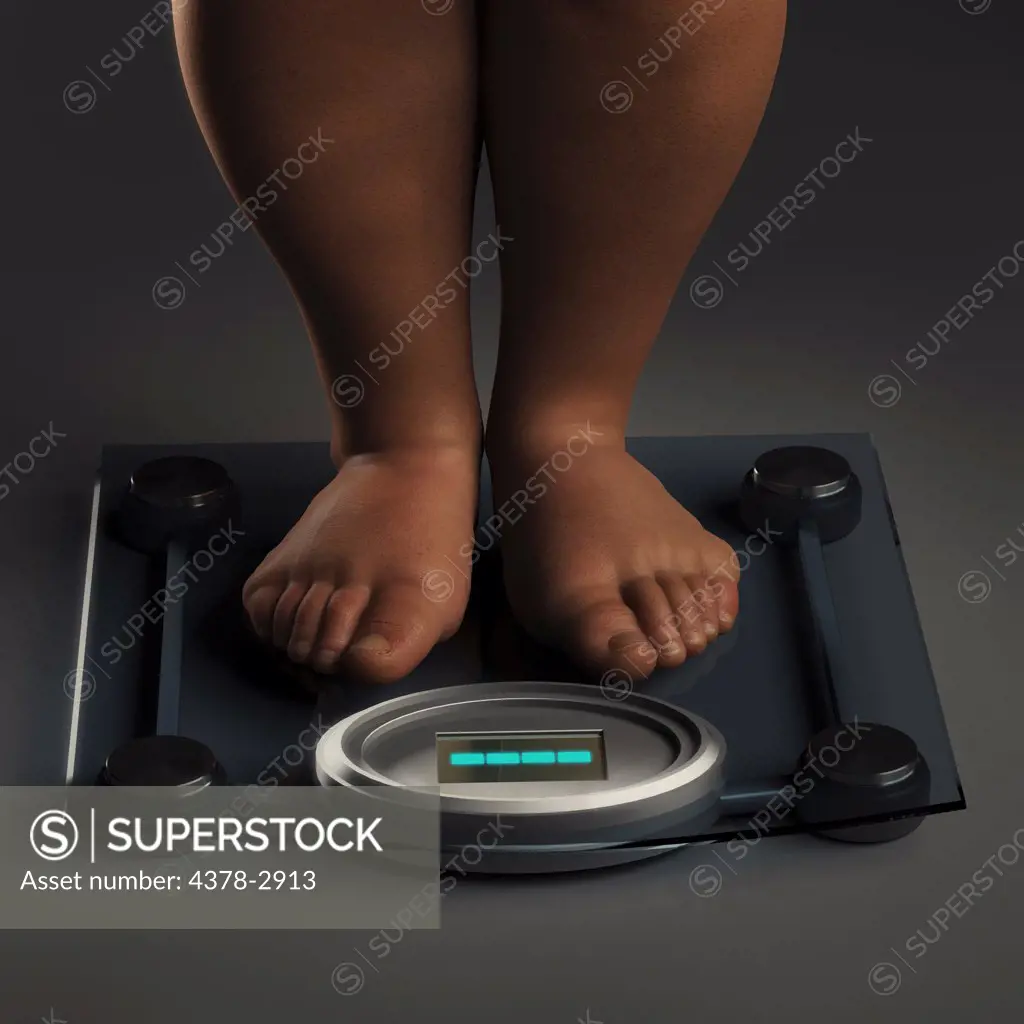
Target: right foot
[602, 561]
[355, 585]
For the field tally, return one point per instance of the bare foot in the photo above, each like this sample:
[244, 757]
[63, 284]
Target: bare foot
[354, 586]
[601, 561]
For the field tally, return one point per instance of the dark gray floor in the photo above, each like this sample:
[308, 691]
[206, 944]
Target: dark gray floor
[101, 204]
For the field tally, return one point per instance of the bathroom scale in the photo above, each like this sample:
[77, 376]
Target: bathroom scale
[817, 713]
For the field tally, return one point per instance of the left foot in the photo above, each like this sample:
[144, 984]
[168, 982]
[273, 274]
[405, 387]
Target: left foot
[600, 560]
[359, 583]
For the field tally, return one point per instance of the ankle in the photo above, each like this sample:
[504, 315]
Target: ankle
[549, 435]
[544, 450]
[421, 447]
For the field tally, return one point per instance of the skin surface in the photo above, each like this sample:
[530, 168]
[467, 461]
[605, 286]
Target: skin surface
[602, 210]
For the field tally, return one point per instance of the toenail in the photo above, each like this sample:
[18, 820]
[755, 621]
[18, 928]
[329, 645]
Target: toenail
[622, 641]
[672, 647]
[374, 643]
[711, 629]
[302, 650]
[696, 639]
[725, 618]
[325, 660]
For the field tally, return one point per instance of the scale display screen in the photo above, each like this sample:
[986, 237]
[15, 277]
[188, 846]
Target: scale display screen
[521, 756]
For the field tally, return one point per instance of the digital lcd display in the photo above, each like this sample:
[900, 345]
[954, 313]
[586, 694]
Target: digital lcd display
[521, 756]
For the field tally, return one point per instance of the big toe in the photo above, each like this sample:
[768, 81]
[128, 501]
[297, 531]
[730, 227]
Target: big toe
[602, 633]
[400, 625]
[260, 601]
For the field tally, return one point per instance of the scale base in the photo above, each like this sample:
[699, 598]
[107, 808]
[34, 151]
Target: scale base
[547, 860]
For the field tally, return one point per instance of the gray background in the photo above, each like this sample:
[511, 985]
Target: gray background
[100, 205]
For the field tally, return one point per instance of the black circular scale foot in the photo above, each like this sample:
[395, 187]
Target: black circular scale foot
[179, 497]
[802, 472]
[862, 770]
[163, 761]
[877, 832]
[789, 485]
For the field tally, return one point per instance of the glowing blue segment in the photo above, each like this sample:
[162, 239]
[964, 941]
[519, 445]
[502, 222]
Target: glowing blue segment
[538, 757]
[464, 760]
[503, 757]
[575, 757]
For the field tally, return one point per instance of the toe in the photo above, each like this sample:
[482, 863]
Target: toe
[284, 613]
[395, 632]
[603, 634]
[306, 624]
[259, 604]
[705, 597]
[340, 618]
[721, 569]
[727, 600]
[686, 610]
[654, 615]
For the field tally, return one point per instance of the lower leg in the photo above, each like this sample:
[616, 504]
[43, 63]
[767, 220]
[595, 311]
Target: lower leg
[368, 234]
[606, 211]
